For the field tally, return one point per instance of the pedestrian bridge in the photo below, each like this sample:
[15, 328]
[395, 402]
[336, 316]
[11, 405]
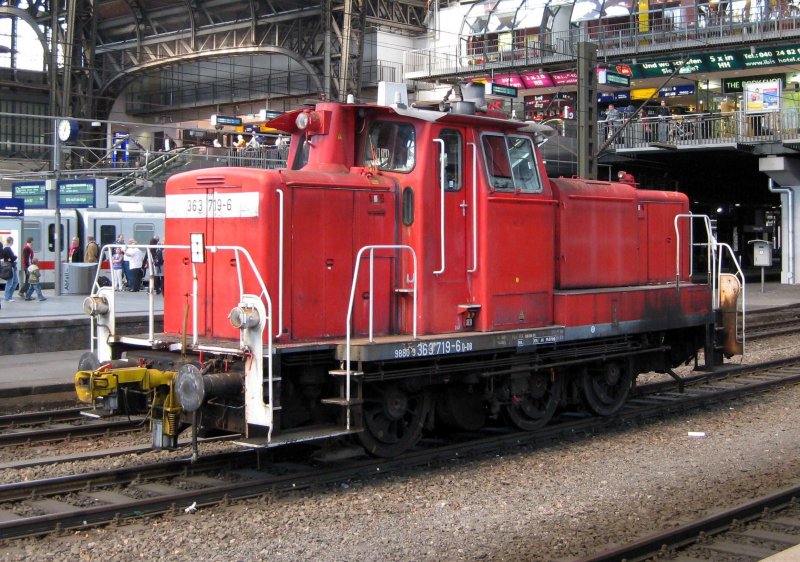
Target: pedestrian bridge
[777, 132]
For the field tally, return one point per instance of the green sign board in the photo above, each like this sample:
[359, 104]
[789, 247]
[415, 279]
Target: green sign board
[34, 193]
[720, 61]
[82, 193]
[493, 89]
[724, 61]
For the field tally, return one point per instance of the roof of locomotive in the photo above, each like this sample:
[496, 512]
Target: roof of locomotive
[286, 121]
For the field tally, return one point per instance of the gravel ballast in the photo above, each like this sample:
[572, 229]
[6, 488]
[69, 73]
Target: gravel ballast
[555, 503]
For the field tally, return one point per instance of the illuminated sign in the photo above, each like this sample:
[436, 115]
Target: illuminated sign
[724, 61]
[788, 55]
[762, 96]
[536, 80]
[493, 89]
[34, 193]
[736, 85]
[82, 193]
[226, 120]
[759, 58]
[567, 78]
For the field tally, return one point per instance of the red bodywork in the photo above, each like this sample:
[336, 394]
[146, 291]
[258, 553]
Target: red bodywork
[577, 253]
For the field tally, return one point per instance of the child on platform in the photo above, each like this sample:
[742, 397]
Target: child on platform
[34, 280]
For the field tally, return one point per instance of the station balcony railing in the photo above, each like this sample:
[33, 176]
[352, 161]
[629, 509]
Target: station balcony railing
[662, 31]
[704, 130]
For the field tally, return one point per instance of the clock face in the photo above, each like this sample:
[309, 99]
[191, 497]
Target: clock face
[64, 130]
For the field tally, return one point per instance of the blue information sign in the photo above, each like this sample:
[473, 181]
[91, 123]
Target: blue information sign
[12, 207]
[34, 193]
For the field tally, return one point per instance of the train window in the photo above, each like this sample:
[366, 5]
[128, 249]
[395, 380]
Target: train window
[301, 155]
[511, 163]
[143, 232]
[31, 230]
[523, 164]
[390, 146]
[453, 159]
[408, 206]
[108, 234]
[51, 237]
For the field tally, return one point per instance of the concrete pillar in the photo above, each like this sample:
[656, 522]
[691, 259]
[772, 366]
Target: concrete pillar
[784, 174]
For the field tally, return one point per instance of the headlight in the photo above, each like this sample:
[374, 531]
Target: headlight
[95, 306]
[301, 121]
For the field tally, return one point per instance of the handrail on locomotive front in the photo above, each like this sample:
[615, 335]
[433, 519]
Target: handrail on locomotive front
[238, 251]
[716, 252]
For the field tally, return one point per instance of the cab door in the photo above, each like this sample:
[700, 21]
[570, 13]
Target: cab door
[454, 211]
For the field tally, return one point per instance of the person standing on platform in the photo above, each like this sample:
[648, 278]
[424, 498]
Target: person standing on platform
[158, 267]
[126, 261]
[116, 270]
[35, 285]
[664, 114]
[135, 260]
[92, 251]
[75, 251]
[11, 258]
[27, 259]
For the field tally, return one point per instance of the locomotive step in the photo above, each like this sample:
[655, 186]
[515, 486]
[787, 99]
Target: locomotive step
[343, 373]
[297, 436]
[344, 402]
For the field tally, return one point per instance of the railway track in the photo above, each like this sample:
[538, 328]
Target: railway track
[58, 425]
[753, 530]
[772, 323]
[43, 506]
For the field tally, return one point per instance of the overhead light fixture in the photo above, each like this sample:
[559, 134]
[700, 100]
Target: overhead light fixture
[752, 49]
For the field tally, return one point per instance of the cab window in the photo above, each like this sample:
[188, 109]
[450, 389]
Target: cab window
[511, 163]
[301, 154]
[452, 160]
[390, 146]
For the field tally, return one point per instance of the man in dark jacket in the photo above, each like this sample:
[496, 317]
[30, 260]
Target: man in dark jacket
[10, 257]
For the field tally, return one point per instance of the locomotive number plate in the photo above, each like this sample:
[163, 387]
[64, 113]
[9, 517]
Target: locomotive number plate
[428, 348]
[218, 205]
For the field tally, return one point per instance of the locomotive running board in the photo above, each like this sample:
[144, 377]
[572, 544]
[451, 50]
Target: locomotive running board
[405, 347]
[300, 435]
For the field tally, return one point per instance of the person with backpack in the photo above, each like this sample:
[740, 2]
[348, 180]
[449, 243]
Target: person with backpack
[10, 262]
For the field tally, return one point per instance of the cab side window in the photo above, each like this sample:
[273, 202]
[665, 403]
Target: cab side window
[390, 146]
[511, 163]
[453, 156]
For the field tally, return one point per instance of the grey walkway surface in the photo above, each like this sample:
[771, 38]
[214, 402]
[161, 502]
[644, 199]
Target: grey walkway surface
[40, 367]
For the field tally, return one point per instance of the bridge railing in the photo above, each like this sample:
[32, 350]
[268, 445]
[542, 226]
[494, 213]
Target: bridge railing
[704, 129]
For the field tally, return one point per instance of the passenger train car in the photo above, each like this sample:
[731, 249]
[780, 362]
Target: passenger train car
[136, 217]
[411, 269]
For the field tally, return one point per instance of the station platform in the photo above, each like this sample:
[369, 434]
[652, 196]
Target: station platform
[64, 327]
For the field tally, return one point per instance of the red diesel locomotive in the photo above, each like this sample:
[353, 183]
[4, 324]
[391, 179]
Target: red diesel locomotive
[410, 267]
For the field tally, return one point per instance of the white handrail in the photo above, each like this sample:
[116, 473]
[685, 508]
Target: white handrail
[441, 203]
[711, 245]
[474, 267]
[412, 281]
[280, 263]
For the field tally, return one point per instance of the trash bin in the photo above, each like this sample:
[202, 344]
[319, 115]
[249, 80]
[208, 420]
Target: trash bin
[77, 278]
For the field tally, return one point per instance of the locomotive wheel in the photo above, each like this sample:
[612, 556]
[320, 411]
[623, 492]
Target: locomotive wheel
[532, 408]
[393, 419]
[605, 389]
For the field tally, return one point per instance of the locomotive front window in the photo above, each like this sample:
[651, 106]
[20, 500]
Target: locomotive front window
[301, 155]
[452, 160]
[390, 146]
[511, 163]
